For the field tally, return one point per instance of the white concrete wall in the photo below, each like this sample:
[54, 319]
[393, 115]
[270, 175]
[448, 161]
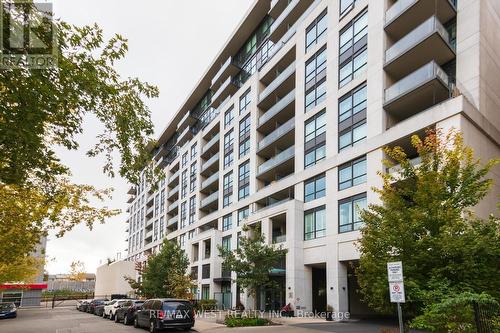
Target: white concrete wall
[110, 278]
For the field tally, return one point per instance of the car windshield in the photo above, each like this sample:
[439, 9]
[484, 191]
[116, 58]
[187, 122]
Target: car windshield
[171, 306]
[139, 302]
[6, 306]
[111, 303]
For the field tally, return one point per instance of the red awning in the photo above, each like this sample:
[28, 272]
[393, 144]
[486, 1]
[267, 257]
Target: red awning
[24, 286]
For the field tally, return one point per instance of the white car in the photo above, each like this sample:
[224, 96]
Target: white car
[110, 308]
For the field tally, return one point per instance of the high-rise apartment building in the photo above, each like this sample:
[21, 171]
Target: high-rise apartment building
[286, 130]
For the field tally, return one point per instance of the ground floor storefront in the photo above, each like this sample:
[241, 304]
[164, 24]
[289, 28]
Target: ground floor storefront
[22, 295]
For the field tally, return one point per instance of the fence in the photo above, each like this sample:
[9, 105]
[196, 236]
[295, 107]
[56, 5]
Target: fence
[486, 317]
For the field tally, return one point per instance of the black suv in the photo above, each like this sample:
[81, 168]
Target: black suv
[126, 312]
[159, 314]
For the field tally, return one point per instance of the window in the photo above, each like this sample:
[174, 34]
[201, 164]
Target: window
[191, 234]
[183, 214]
[244, 147]
[157, 206]
[184, 184]
[315, 79]
[205, 271]
[228, 117]
[162, 227]
[315, 223]
[352, 117]
[205, 291]
[184, 159]
[192, 177]
[228, 148]
[245, 101]
[227, 183]
[243, 213]
[227, 222]
[316, 31]
[182, 240]
[315, 139]
[346, 6]
[155, 231]
[194, 272]
[193, 151]
[162, 202]
[238, 238]
[353, 52]
[226, 243]
[314, 188]
[244, 180]
[349, 213]
[192, 209]
[352, 173]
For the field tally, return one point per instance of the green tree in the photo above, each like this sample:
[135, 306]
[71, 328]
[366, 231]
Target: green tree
[252, 260]
[44, 109]
[425, 220]
[165, 274]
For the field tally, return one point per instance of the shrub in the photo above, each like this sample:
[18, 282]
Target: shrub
[238, 321]
[206, 304]
[455, 314]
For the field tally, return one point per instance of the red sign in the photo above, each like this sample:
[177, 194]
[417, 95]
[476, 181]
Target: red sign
[24, 286]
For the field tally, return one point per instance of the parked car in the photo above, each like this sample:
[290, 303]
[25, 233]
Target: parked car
[126, 313]
[111, 307]
[84, 305]
[93, 303]
[8, 310]
[99, 309]
[159, 314]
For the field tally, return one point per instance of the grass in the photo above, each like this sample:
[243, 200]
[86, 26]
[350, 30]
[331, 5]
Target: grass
[233, 321]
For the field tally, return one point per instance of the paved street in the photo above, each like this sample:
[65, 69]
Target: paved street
[68, 320]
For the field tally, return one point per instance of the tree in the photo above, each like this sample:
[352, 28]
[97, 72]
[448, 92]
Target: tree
[165, 274]
[425, 220]
[77, 271]
[41, 109]
[252, 261]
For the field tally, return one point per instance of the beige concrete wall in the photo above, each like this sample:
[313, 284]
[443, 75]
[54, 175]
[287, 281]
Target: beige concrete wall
[110, 278]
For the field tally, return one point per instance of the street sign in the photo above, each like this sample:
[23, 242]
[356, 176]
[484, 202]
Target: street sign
[397, 291]
[395, 271]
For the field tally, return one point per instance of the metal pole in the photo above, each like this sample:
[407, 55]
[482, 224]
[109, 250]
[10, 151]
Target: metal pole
[400, 317]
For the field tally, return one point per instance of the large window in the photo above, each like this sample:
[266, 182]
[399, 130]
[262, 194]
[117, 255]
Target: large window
[353, 53]
[184, 159]
[193, 151]
[184, 184]
[315, 79]
[205, 272]
[228, 148]
[349, 213]
[352, 173]
[205, 290]
[352, 117]
[227, 189]
[183, 214]
[245, 101]
[162, 227]
[226, 243]
[316, 32]
[244, 136]
[192, 209]
[244, 180]
[243, 213]
[346, 6]
[315, 188]
[315, 139]
[315, 223]
[228, 117]
[192, 177]
[227, 222]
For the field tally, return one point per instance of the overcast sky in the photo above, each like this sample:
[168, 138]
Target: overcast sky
[171, 44]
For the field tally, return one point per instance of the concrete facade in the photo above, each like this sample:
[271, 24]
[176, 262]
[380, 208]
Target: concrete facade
[110, 278]
[423, 67]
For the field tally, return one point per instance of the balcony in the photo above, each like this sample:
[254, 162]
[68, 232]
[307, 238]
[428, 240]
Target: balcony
[132, 190]
[281, 85]
[279, 139]
[210, 202]
[429, 41]
[130, 199]
[228, 69]
[148, 235]
[425, 87]
[396, 169]
[185, 136]
[174, 179]
[227, 88]
[211, 146]
[173, 193]
[149, 212]
[173, 221]
[279, 239]
[211, 165]
[281, 164]
[173, 207]
[287, 18]
[406, 15]
[210, 183]
[277, 7]
[278, 113]
[186, 121]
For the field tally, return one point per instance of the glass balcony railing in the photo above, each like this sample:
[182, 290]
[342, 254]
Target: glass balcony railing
[279, 239]
[278, 107]
[399, 7]
[282, 157]
[210, 199]
[209, 162]
[210, 143]
[277, 133]
[277, 81]
[210, 180]
[173, 177]
[173, 221]
[173, 206]
[416, 79]
[417, 35]
[173, 191]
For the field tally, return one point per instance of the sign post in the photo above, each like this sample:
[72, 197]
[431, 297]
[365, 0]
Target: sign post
[396, 287]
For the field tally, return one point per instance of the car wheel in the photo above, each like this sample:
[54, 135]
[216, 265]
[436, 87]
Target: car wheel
[152, 327]
[116, 319]
[136, 323]
[111, 316]
[187, 328]
[125, 320]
